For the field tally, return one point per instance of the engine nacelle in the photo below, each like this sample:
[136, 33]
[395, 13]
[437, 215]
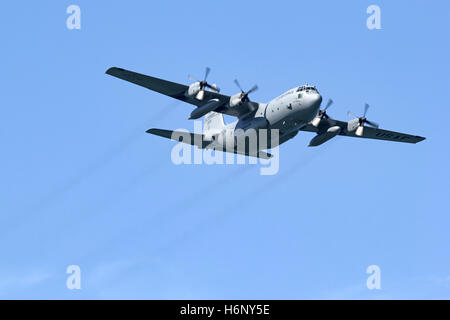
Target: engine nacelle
[193, 90]
[235, 100]
[352, 125]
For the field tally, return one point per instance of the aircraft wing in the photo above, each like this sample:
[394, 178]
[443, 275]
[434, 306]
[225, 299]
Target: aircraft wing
[173, 89]
[369, 132]
[196, 139]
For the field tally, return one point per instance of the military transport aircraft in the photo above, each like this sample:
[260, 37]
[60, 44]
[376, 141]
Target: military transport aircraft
[295, 110]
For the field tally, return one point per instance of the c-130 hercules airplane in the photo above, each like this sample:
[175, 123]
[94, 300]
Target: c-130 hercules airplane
[295, 110]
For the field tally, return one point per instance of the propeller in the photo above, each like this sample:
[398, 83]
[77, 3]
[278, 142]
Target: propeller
[322, 114]
[204, 84]
[244, 95]
[362, 120]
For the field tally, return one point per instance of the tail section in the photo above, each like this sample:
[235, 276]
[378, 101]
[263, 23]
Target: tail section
[213, 123]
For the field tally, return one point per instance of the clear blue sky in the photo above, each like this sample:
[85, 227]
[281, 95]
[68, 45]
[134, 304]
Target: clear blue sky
[82, 183]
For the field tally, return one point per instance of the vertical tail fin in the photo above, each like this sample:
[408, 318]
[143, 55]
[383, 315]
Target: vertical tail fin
[213, 123]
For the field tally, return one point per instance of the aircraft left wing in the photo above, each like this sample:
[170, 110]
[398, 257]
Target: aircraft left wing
[173, 89]
[369, 132]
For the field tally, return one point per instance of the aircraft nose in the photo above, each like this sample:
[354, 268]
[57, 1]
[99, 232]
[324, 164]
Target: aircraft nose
[316, 100]
[319, 99]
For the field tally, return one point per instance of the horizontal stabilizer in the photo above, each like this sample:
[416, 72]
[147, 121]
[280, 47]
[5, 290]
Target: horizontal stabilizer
[196, 139]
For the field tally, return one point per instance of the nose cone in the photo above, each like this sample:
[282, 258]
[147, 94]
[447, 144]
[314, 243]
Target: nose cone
[313, 105]
[317, 99]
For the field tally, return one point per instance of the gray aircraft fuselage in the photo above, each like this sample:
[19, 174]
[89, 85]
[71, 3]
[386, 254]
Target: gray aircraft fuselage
[288, 113]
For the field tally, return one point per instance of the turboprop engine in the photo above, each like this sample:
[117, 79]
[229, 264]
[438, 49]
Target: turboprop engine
[242, 97]
[193, 89]
[235, 100]
[197, 89]
[357, 124]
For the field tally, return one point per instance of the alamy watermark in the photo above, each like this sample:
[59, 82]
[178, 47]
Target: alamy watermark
[74, 280]
[373, 22]
[374, 280]
[74, 20]
[227, 146]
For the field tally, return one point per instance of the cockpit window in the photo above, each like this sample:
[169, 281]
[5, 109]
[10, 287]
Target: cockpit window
[306, 88]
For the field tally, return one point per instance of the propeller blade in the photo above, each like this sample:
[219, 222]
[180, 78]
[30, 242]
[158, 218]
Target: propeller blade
[207, 73]
[329, 103]
[238, 85]
[373, 124]
[191, 78]
[359, 131]
[366, 107]
[214, 88]
[351, 114]
[253, 89]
